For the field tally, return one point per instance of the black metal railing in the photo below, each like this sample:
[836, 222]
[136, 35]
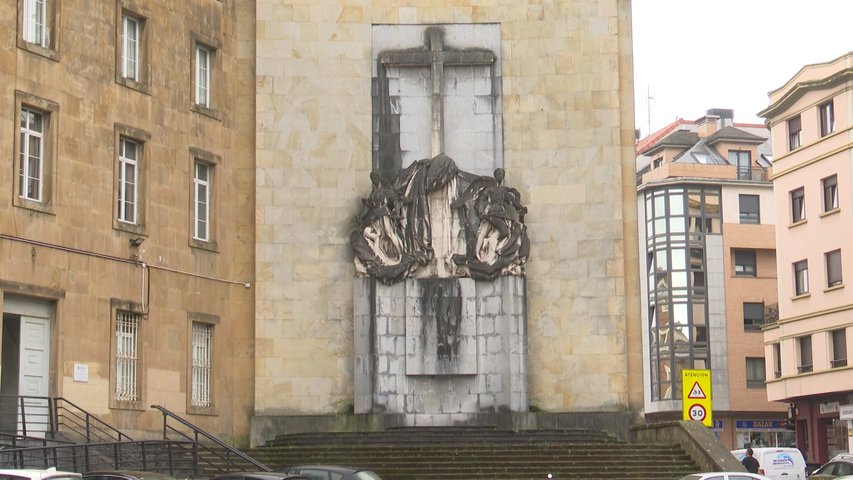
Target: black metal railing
[42, 432]
[26, 419]
[757, 174]
[210, 454]
[150, 455]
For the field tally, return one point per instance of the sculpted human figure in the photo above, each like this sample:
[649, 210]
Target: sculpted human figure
[394, 232]
[499, 243]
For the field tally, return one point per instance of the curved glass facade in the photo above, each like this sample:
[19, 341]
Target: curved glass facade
[678, 219]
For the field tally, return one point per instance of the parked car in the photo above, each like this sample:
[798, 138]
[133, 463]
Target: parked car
[332, 472]
[839, 466]
[33, 474]
[259, 476]
[778, 463]
[725, 476]
[126, 475]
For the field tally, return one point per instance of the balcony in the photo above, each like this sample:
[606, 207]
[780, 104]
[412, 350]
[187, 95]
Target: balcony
[700, 170]
[771, 314]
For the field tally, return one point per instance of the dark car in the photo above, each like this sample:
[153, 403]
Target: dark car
[332, 472]
[126, 475]
[260, 476]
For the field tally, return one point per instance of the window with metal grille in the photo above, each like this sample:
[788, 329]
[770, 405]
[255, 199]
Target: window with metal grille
[127, 356]
[202, 366]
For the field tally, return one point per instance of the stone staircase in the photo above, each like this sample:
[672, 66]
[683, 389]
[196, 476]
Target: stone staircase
[481, 454]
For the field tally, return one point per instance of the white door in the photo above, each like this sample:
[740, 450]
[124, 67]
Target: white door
[33, 375]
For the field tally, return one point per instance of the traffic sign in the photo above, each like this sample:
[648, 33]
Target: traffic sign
[696, 396]
[698, 412]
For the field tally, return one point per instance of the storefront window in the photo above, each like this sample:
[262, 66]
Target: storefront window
[764, 433]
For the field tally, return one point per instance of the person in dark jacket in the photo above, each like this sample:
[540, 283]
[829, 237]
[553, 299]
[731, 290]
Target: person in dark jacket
[749, 462]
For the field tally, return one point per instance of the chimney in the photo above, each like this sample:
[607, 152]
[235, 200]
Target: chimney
[714, 119]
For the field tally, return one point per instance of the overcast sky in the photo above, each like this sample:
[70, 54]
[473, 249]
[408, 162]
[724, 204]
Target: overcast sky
[693, 55]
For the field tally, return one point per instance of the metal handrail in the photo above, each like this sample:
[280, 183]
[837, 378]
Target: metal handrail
[150, 455]
[198, 433]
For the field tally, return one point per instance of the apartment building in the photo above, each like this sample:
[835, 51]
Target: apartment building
[126, 227]
[806, 346]
[706, 230]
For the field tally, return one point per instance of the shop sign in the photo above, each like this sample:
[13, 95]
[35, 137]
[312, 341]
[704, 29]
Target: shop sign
[828, 407]
[845, 412]
[756, 425]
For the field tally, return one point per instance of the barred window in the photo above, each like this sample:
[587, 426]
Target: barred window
[127, 356]
[202, 366]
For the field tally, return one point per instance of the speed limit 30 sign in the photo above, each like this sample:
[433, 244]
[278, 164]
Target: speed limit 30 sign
[696, 396]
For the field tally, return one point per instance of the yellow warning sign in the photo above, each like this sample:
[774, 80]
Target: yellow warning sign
[696, 396]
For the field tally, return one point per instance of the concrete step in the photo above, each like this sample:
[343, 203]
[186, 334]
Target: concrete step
[480, 454]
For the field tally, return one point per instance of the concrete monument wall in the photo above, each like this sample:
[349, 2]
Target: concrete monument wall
[566, 144]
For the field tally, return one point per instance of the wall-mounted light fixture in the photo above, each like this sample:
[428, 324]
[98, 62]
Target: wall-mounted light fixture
[135, 242]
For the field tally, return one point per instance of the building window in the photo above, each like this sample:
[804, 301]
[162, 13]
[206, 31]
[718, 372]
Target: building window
[798, 205]
[777, 360]
[804, 344]
[839, 348]
[801, 277]
[203, 199]
[755, 373]
[128, 167]
[131, 27]
[657, 162]
[205, 68]
[745, 263]
[35, 160]
[127, 357]
[833, 268]
[130, 174]
[827, 118]
[202, 366]
[202, 76]
[753, 316]
[830, 193]
[743, 161]
[794, 130]
[132, 50]
[38, 27]
[31, 159]
[201, 193]
[749, 209]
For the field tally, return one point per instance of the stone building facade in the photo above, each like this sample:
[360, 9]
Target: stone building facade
[126, 229]
[564, 97]
[250, 129]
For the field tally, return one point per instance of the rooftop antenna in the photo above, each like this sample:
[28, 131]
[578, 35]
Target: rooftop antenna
[649, 100]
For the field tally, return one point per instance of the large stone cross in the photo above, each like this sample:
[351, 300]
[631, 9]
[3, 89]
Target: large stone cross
[437, 56]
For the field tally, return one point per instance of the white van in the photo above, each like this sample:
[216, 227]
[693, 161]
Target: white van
[777, 463]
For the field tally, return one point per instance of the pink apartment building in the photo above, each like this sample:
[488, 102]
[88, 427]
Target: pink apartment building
[707, 253]
[806, 347]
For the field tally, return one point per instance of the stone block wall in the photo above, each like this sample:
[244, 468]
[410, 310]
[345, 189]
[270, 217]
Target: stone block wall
[568, 133]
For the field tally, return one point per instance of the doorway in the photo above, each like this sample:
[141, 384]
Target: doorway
[25, 366]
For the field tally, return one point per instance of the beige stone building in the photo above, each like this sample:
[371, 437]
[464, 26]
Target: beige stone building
[126, 229]
[566, 143]
[234, 140]
[707, 248]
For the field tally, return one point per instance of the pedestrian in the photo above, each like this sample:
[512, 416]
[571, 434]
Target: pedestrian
[750, 462]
